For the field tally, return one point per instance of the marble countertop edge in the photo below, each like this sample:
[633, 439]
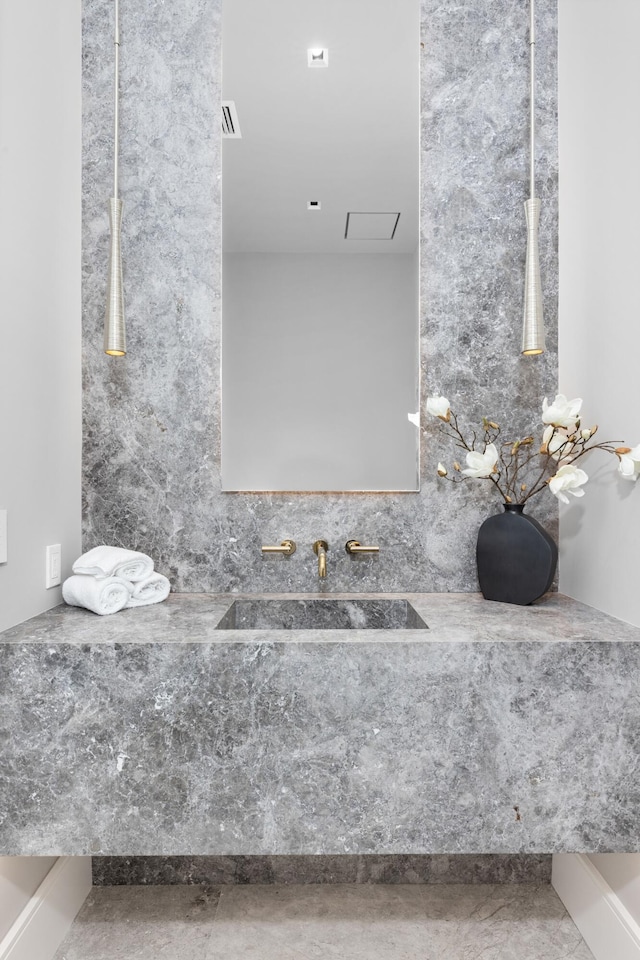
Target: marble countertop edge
[451, 618]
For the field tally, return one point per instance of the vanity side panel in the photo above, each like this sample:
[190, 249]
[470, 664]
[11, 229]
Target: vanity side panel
[332, 748]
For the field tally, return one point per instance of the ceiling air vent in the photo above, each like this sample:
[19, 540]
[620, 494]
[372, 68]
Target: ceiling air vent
[371, 226]
[230, 122]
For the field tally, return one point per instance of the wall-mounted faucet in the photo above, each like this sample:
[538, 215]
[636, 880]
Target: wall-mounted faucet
[287, 548]
[353, 546]
[320, 548]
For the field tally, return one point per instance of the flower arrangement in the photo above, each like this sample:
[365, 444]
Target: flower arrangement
[518, 467]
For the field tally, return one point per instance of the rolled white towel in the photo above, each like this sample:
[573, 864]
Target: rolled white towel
[102, 596]
[154, 589]
[106, 561]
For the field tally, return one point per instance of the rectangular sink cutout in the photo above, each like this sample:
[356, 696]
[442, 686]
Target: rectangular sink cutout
[261, 614]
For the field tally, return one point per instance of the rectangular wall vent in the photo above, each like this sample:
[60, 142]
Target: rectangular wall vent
[230, 122]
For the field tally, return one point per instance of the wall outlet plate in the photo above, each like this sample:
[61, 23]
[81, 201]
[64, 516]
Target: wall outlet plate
[53, 565]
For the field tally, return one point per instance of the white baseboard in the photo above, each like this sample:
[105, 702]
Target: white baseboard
[607, 927]
[44, 923]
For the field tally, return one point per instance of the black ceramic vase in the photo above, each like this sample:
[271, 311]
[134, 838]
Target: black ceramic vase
[516, 557]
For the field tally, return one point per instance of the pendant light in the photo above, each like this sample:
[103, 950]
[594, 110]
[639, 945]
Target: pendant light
[533, 323]
[115, 343]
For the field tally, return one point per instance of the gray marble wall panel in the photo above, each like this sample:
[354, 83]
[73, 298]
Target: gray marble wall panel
[232, 748]
[151, 421]
[482, 868]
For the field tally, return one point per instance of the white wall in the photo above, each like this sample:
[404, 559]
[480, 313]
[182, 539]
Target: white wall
[40, 372]
[40, 330]
[599, 75]
[622, 873]
[20, 877]
[599, 80]
[39, 899]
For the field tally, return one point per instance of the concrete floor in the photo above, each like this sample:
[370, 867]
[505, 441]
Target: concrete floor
[328, 921]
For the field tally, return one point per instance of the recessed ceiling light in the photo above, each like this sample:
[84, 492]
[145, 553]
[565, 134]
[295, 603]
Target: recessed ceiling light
[314, 205]
[318, 57]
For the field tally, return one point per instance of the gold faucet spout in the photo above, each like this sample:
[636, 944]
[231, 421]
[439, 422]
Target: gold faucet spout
[320, 548]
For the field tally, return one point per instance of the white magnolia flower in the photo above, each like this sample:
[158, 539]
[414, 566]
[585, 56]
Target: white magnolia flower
[562, 412]
[629, 466]
[555, 440]
[439, 407]
[568, 479]
[481, 465]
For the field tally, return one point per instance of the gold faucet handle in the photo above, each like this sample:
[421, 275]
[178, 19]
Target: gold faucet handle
[352, 546]
[287, 547]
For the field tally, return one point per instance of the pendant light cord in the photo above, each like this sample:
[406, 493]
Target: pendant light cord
[116, 101]
[532, 100]
[115, 339]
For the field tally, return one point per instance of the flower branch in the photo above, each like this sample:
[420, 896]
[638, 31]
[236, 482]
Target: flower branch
[518, 468]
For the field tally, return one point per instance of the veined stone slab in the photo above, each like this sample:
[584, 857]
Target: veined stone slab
[151, 445]
[498, 730]
[399, 868]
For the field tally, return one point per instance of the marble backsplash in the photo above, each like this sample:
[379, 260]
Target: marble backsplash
[151, 420]
[408, 868]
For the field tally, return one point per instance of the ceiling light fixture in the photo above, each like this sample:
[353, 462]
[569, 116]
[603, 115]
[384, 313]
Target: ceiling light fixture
[115, 343]
[318, 57]
[533, 322]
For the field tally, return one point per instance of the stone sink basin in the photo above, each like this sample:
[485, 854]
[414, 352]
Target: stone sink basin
[321, 614]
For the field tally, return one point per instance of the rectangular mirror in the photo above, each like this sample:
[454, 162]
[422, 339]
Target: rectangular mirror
[320, 214]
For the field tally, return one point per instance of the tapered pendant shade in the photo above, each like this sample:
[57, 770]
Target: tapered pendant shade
[533, 323]
[115, 341]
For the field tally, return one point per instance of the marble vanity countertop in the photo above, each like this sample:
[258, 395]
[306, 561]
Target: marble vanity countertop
[451, 618]
[499, 729]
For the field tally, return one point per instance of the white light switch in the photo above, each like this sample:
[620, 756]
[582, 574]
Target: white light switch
[54, 564]
[3, 536]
